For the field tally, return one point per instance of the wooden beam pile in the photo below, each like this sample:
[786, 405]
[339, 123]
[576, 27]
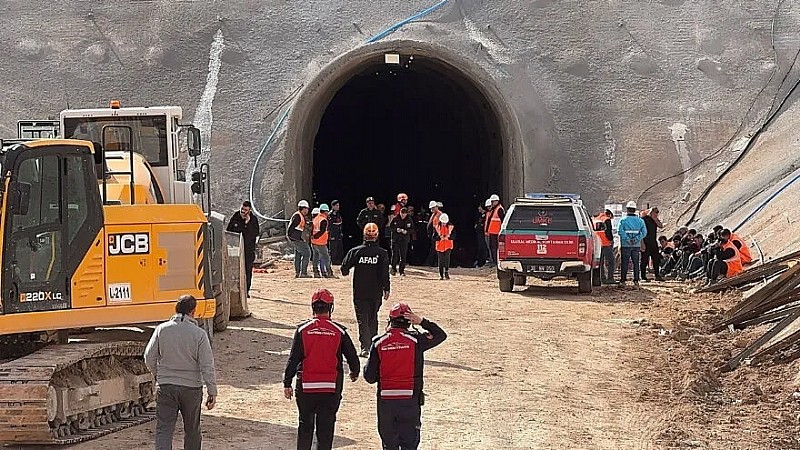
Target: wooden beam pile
[777, 300]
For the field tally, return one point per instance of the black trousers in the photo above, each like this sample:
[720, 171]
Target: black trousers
[367, 318]
[482, 251]
[316, 410]
[715, 268]
[444, 262]
[399, 422]
[249, 259]
[400, 254]
[651, 252]
[337, 250]
[493, 248]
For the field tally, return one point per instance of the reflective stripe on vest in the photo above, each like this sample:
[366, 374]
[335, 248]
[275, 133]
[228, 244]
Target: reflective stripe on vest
[322, 341]
[602, 234]
[495, 222]
[322, 240]
[444, 243]
[735, 263]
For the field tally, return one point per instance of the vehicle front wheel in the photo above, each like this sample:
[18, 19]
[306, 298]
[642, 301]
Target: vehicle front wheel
[585, 283]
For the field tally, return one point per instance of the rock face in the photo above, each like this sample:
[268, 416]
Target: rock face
[610, 96]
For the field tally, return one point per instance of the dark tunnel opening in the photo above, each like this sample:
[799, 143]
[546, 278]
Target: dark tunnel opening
[420, 127]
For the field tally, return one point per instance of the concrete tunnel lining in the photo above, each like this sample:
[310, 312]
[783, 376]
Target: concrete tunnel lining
[314, 98]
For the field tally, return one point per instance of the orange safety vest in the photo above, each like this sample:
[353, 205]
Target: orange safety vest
[735, 263]
[601, 218]
[493, 221]
[747, 257]
[322, 240]
[302, 225]
[444, 243]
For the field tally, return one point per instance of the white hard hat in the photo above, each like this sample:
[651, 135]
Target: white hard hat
[315, 211]
[494, 198]
[488, 202]
[302, 204]
[440, 204]
[432, 204]
[631, 205]
[444, 218]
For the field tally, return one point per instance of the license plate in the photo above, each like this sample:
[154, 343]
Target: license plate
[544, 268]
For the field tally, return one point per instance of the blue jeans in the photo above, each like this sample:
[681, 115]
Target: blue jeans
[322, 259]
[302, 254]
[630, 255]
[607, 263]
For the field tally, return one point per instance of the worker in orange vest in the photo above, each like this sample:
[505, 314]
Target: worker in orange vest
[444, 246]
[319, 242]
[743, 248]
[294, 233]
[606, 235]
[433, 225]
[727, 259]
[494, 219]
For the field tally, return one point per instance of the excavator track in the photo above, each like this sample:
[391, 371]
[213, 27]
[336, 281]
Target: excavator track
[64, 394]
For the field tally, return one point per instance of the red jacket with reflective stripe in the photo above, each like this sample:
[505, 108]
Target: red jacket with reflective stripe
[316, 357]
[396, 360]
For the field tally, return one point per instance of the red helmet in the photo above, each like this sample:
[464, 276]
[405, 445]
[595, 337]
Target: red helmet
[322, 295]
[399, 310]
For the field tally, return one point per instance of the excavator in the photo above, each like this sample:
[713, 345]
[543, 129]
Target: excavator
[101, 230]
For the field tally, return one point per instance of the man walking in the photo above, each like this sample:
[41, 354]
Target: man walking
[494, 220]
[180, 359]
[433, 225]
[370, 214]
[295, 234]
[652, 251]
[336, 238]
[396, 362]
[319, 242]
[402, 227]
[632, 231]
[370, 283]
[245, 224]
[316, 359]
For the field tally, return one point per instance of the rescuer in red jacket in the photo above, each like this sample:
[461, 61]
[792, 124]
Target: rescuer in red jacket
[316, 358]
[396, 363]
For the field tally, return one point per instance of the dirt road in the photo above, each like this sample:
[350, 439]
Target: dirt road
[537, 368]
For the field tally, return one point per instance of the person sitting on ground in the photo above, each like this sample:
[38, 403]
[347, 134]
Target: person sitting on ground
[727, 259]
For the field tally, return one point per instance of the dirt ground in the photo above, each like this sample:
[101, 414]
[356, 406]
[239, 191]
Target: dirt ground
[539, 368]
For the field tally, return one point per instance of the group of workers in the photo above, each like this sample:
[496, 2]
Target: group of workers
[687, 255]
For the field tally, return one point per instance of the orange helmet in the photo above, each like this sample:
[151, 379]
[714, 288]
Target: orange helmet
[371, 232]
[401, 196]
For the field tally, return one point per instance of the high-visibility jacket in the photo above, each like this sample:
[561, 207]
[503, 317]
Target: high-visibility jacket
[747, 257]
[444, 243]
[323, 239]
[601, 218]
[494, 221]
[735, 263]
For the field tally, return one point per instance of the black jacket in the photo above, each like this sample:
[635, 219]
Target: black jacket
[609, 231]
[370, 216]
[406, 224]
[250, 230]
[335, 219]
[371, 264]
[434, 336]
[291, 231]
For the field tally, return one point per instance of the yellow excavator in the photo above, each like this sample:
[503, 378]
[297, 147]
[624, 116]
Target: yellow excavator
[93, 234]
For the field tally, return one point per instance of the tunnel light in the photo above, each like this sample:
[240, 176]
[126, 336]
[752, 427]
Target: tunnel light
[391, 58]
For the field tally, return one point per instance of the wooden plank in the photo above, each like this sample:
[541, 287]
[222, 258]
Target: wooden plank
[783, 344]
[746, 277]
[738, 312]
[773, 315]
[734, 362]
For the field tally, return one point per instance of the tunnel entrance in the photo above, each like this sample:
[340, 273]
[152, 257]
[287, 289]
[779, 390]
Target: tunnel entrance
[423, 127]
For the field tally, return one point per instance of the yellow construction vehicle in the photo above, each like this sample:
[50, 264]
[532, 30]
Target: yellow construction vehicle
[93, 236]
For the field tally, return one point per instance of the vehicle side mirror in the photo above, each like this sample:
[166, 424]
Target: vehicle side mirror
[19, 197]
[600, 226]
[193, 141]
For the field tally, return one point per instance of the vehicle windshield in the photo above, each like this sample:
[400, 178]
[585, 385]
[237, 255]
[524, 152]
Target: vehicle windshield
[546, 218]
[149, 134]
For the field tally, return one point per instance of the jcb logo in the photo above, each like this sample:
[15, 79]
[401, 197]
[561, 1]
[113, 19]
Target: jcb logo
[40, 296]
[129, 244]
